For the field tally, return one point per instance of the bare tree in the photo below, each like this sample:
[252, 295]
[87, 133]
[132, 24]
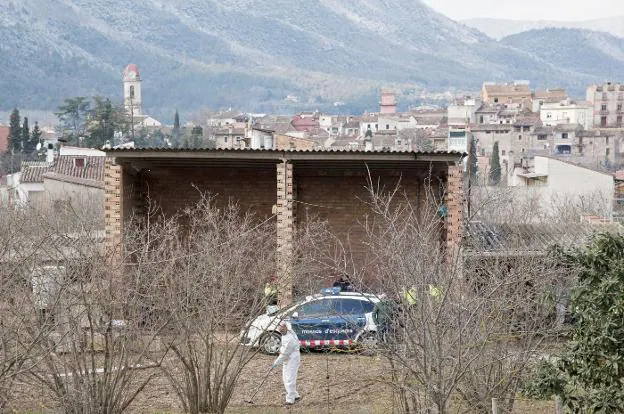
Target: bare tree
[88, 354]
[211, 281]
[19, 353]
[459, 335]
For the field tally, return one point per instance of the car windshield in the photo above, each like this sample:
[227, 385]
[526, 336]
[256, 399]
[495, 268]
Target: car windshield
[348, 306]
[318, 307]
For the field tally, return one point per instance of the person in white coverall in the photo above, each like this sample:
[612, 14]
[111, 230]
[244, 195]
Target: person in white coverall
[289, 357]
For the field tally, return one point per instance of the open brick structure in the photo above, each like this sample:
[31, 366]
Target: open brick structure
[285, 186]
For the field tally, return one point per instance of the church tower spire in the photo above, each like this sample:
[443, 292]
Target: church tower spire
[132, 89]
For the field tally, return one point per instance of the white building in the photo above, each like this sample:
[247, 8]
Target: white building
[558, 185]
[463, 112]
[567, 112]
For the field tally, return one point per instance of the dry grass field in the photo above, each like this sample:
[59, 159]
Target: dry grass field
[334, 383]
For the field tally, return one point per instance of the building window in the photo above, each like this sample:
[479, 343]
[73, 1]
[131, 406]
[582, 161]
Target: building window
[564, 135]
[376, 127]
[238, 140]
[604, 96]
[618, 121]
[132, 92]
[519, 137]
[607, 141]
[541, 137]
[619, 107]
[603, 121]
[564, 149]
[607, 152]
[495, 100]
[225, 139]
[79, 162]
[387, 126]
[603, 107]
[503, 152]
[548, 115]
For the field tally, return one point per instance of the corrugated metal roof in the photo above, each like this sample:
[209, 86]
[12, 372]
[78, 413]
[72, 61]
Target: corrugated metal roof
[302, 150]
[538, 237]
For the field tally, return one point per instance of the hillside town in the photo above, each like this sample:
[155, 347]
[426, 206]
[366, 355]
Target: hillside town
[432, 255]
[541, 138]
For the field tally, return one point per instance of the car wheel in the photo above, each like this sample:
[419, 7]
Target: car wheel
[270, 343]
[367, 343]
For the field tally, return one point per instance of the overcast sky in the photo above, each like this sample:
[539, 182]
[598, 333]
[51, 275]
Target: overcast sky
[570, 10]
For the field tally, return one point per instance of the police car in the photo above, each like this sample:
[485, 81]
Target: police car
[332, 318]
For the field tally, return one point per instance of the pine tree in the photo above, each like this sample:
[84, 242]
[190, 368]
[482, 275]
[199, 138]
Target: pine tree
[495, 166]
[15, 132]
[35, 138]
[25, 135]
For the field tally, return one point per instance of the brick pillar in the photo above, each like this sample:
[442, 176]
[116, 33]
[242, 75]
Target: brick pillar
[285, 232]
[454, 201]
[113, 221]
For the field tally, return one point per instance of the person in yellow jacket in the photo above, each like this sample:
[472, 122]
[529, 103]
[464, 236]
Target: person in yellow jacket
[435, 292]
[270, 291]
[410, 295]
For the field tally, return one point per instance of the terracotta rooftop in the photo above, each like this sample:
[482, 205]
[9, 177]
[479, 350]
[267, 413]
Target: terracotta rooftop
[32, 171]
[91, 168]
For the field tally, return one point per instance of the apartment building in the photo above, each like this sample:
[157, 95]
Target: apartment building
[608, 104]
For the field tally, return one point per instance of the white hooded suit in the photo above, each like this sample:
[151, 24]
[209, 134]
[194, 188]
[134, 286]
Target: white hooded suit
[290, 357]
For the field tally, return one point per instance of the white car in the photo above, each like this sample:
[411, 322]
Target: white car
[331, 318]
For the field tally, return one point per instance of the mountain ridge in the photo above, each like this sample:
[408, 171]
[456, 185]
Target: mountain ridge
[251, 54]
[500, 28]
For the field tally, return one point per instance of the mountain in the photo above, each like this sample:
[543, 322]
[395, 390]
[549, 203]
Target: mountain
[581, 51]
[499, 28]
[251, 54]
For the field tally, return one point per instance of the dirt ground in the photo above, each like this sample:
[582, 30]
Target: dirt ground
[337, 383]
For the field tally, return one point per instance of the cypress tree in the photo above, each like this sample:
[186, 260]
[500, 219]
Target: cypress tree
[175, 134]
[25, 135]
[473, 160]
[495, 166]
[15, 132]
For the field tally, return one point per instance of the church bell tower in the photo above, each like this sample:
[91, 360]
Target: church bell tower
[132, 90]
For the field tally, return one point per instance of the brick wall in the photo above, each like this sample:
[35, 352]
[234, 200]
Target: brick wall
[454, 201]
[334, 192]
[285, 231]
[113, 219]
[340, 197]
[174, 188]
